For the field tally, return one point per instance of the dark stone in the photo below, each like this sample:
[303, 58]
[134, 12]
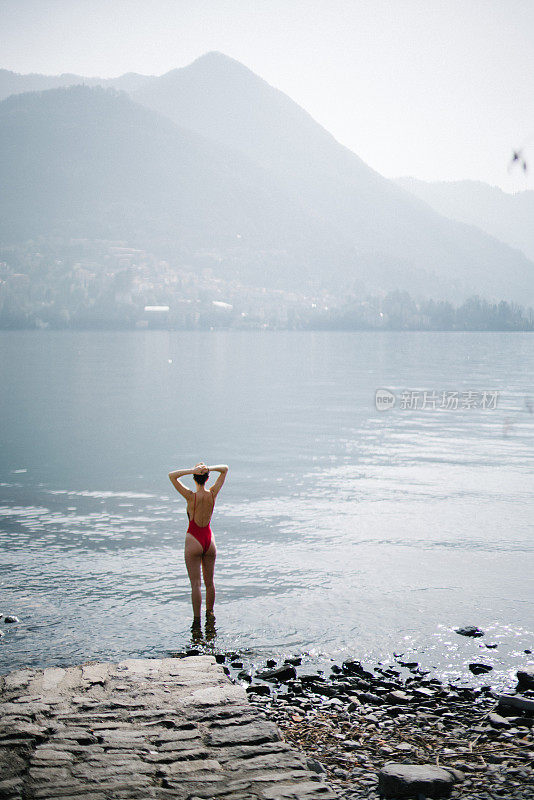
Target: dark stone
[516, 701]
[271, 663]
[324, 689]
[490, 646]
[409, 664]
[369, 697]
[296, 661]
[10, 618]
[244, 676]
[480, 669]
[192, 652]
[398, 697]
[355, 668]
[335, 669]
[469, 630]
[282, 674]
[220, 658]
[411, 780]
[258, 690]
[525, 679]
[309, 679]
[237, 664]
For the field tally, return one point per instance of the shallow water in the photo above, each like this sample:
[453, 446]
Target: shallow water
[341, 530]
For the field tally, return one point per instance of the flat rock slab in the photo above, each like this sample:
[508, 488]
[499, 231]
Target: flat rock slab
[143, 728]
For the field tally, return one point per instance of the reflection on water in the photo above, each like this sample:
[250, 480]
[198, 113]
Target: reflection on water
[340, 531]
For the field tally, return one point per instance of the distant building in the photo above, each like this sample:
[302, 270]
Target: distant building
[155, 317]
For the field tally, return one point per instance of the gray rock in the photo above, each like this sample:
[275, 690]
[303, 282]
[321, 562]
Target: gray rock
[411, 780]
[497, 721]
[315, 766]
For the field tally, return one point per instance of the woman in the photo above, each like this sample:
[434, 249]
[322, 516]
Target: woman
[200, 549]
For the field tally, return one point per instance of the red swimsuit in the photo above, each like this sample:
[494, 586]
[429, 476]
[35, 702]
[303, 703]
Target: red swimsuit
[201, 534]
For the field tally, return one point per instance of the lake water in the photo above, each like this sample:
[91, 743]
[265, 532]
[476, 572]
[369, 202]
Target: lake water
[342, 530]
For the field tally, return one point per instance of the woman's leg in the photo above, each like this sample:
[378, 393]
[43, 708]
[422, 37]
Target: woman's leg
[208, 567]
[193, 558]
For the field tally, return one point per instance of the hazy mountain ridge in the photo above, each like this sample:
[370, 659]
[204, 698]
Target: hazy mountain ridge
[15, 83]
[278, 196]
[89, 162]
[508, 217]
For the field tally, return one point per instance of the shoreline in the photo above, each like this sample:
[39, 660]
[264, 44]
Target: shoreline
[351, 723]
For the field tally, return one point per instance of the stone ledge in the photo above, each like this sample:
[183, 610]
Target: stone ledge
[147, 728]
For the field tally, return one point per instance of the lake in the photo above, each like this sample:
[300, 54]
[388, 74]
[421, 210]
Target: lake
[342, 529]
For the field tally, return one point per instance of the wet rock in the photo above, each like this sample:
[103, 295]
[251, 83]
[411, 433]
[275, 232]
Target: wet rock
[244, 676]
[491, 646]
[220, 658]
[282, 674]
[351, 667]
[469, 630]
[480, 669]
[271, 663]
[295, 661]
[411, 780]
[9, 618]
[525, 678]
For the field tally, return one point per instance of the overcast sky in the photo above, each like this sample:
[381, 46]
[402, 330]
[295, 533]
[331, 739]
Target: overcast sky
[437, 89]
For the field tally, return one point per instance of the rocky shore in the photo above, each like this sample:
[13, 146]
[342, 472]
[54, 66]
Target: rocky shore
[367, 731]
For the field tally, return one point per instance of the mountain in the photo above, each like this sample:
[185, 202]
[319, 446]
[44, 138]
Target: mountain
[508, 217]
[14, 83]
[87, 162]
[210, 157]
[397, 238]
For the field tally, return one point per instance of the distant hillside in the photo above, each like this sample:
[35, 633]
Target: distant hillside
[211, 158]
[14, 83]
[508, 217]
[91, 163]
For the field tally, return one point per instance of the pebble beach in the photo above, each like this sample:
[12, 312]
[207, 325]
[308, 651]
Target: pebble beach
[357, 723]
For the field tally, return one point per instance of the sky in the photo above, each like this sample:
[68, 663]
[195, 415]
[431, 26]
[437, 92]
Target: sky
[435, 89]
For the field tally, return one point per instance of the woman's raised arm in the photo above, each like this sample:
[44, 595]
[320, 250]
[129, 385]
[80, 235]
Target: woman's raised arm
[216, 488]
